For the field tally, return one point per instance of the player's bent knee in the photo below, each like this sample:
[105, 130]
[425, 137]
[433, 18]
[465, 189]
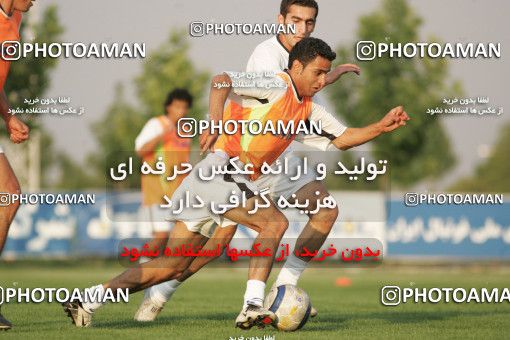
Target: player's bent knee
[168, 274]
[279, 226]
[12, 187]
[326, 215]
[331, 214]
[224, 235]
[273, 219]
[283, 225]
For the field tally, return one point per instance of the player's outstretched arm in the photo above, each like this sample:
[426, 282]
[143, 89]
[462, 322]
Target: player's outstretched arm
[18, 131]
[149, 138]
[338, 71]
[150, 146]
[4, 106]
[221, 85]
[352, 137]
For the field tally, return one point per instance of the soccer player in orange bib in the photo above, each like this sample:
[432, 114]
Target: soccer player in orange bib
[10, 20]
[159, 142]
[309, 63]
[272, 55]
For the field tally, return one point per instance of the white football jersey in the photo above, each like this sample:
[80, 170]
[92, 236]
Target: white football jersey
[271, 55]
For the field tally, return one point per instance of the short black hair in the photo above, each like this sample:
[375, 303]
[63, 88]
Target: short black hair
[308, 49]
[179, 94]
[285, 5]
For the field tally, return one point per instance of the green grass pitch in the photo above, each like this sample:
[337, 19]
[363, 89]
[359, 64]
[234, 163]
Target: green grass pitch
[205, 307]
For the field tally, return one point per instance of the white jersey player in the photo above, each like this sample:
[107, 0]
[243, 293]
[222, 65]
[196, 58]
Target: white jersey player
[310, 62]
[273, 55]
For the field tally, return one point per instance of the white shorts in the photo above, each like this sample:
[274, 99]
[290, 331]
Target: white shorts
[1, 150]
[203, 220]
[217, 191]
[155, 218]
[281, 184]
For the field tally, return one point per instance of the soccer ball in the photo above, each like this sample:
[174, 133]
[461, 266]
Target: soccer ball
[291, 305]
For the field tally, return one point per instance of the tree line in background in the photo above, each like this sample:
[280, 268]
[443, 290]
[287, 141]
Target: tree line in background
[421, 151]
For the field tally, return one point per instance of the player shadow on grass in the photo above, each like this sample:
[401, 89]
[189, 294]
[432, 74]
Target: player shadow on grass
[332, 322]
[162, 320]
[323, 322]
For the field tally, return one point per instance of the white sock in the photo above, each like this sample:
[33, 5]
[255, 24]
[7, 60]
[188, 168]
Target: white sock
[144, 259]
[92, 306]
[254, 294]
[291, 271]
[163, 292]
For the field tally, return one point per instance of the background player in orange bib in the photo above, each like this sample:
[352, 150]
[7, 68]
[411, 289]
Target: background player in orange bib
[10, 20]
[159, 141]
